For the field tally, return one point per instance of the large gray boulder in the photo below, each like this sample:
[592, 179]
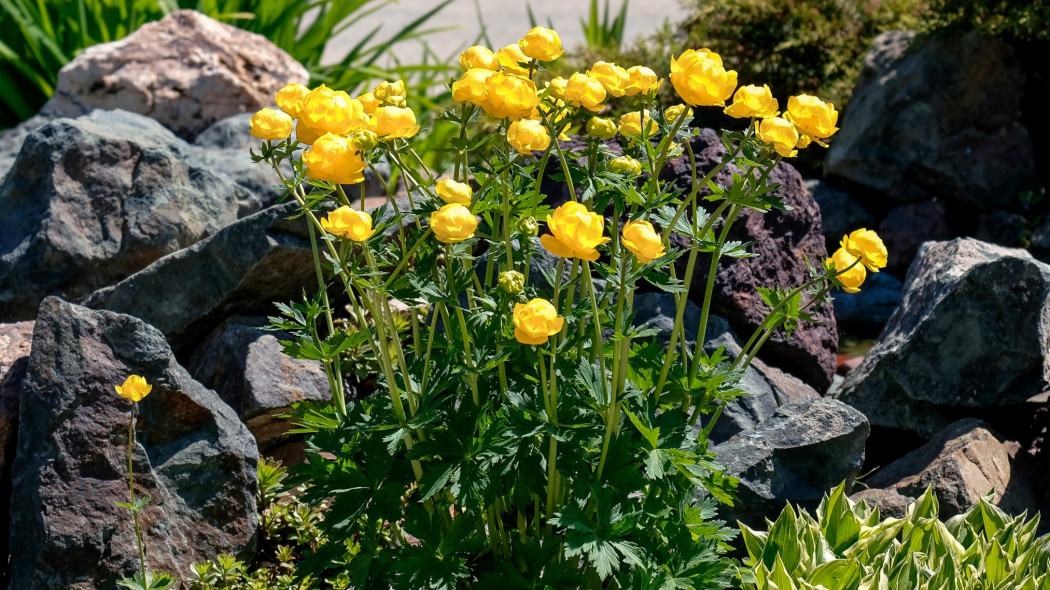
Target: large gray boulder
[870, 309]
[15, 342]
[91, 200]
[192, 456]
[972, 331]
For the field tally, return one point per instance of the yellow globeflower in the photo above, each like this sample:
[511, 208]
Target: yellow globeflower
[511, 58]
[510, 96]
[849, 274]
[349, 223]
[753, 101]
[334, 158]
[626, 164]
[527, 136]
[643, 80]
[478, 57]
[780, 133]
[601, 127]
[473, 87]
[812, 116]
[370, 103]
[536, 321]
[557, 87]
[575, 232]
[290, 98]
[541, 44]
[451, 191]
[453, 223]
[700, 79]
[391, 93]
[612, 77]
[394, 122]
[333, 110]
[631, 124]
[672, 113]
[271, 124]
[866, 245]
[584, 91]
[134, 388]
[306, 134]
[642, 240]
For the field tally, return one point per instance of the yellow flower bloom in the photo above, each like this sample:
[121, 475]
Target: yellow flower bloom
[394, 122]
[700, 79]
[290, 98]
[391, 93]
[584, 91]
[451, 191]
[672, 113]
[473, 87]
[349, 223]
[510, 96]
[642, 240]
[478, 57]
[333, 110]
[135, 388]
[453, 223]
[541, 44]
[575, 232]
[612, 77]
[334, 159]
[631, 124]
[511, 58]
[753, 101]
[866, 245]
[536, 321]
[626, 164]
[557, 87]
[527, 136]
[601, 127]
[849, 274]
[780, 133]
[643, 80]
[812, 116]
[271, 124]
[306, 134]
[370, 103]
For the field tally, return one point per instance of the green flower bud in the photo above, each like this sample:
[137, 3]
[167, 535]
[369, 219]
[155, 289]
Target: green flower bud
[512, 282]
[601, 127]
[672, 113]
[528, 226]
[364, 140]
[626, 164]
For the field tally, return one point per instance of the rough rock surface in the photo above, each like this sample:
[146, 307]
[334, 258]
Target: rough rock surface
[15, 343]
[906, 227]
[249, 370]
[870, 309]
[797, 455]
[94, 199]
[11, 142]
[890, 502]
[972, 331]
[186, 70]
[193, 457]
[840, 213]
[937, 119]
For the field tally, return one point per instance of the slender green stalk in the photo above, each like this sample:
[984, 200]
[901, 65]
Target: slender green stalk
[131, 490]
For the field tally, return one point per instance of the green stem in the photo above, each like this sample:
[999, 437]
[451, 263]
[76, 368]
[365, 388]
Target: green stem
[131, 489]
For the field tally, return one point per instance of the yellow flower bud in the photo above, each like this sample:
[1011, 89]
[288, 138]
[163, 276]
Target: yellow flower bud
[334, 159]
[527, 136]
[780, 133]
[528, 226]
[699, 78]
[134, 388]
[473, 87]
[849, 274]
[370, 103]
[271, 124]
[812, 116]
[557, 87]
[511, 58]
[478, 57]
[631, 124]
[866, 245]
[536, 321]
[584, 91]
[512, 282]
[753, 101]
[333, 110]
[672, 113]
[575, 232]
[642, 80]
[365, 140]
[394, 123]
[625, 165]
[612, 77]
[541, 44]
[510, 96]
[306, 134]
[349, 223]
[290, 98]
[451, 191]
[453, 223]
[601, 127]
[642, 240]
[390, 93]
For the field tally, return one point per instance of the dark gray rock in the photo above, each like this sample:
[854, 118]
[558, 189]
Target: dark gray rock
[906, 227]
[971, 332]
[840, 213]
[11, 141]
[91, 200]
[891, 503]
[1003, 228]
[797, 455]
[224, 147]
[872, 307]
[15, 343]
[193, 457]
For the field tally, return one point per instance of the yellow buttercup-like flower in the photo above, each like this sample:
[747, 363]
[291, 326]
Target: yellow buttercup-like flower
[394, 122]
[575, 232]
[478, 57]
[536, 321]
[453, 223]
[642, 80]
[848, 270]
[612, 77]
[672, 113]
[349, 223]
[631, 124]
[290, 98]
[391, 93]
[511, 58]
[473, 87]
[541, 44]
[134, 388]
[601, 127]
[370, 103]
[527, 136]
[510, 96]
[334, 158]
[642, 240]
[753, 101]
[584, 91]
[333, 110]
[700, 79]
[452, 191]
[813, 117]
[271, 124]
[557, 87]
[780, 133]
[626, 164]
[306, 134]
[866, 245]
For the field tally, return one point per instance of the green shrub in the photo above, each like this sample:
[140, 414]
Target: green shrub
[1021, 21]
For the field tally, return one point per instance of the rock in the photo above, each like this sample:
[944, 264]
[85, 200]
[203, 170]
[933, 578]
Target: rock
[249, 370]
[939, 119]
[796, 455]
[906, 227]
[871, 308]
[891, 503]
[186, 70]
[15, 342]
[970, 333]
[1040, 247]
[1003, 228]
[193, 457]
[94, 199]
[840, 213]
[11, 142]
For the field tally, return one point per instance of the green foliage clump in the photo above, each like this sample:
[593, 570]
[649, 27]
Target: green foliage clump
[847, 546]
[1021, 21]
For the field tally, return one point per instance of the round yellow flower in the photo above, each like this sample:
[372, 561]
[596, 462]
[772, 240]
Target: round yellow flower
[453, 223]
[699, 78]
[527, 136]
[271, 124]
[306, 134]
[584, 91]
[478, 57]
[575, 232]
[349, 223]
[643, 80]
[601, 127]
[510, 96]
[541, 44]
[473, 87]
[290, 98]
[631, 124]
[780, 133]
[642, 240]
[333, 110]
[612, 77]
[849, 274]
[866, 245]
[536, 321]
[557, 87]
[370, 103]
[134, 388]
[753, 101]
[391, 93]
[812, 116]
[626, 164]
[334, 158]
[394, 122]
[511, 58]
[672, 113]
[451, 191]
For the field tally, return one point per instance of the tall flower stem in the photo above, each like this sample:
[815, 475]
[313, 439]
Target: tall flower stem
[131, 490]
